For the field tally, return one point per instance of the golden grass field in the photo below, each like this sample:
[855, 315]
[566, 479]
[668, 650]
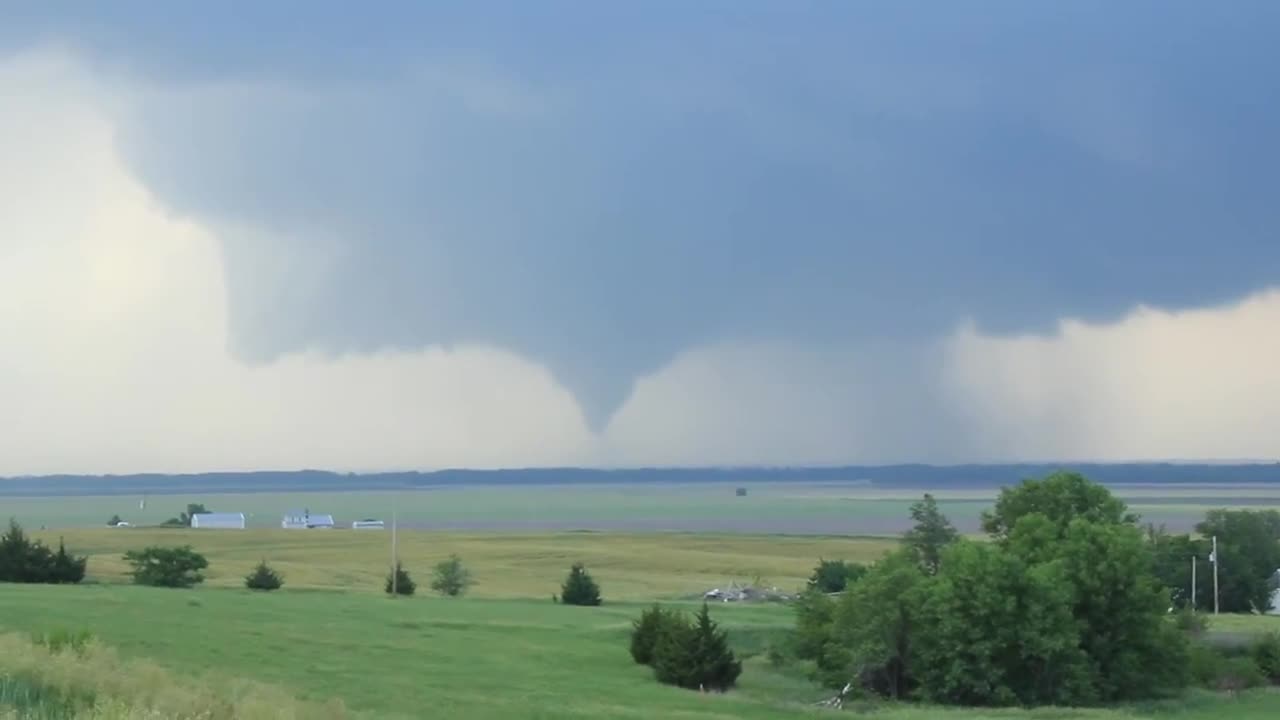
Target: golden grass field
[642, 566]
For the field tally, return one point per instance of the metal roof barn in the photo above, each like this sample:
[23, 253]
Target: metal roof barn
[218, 521]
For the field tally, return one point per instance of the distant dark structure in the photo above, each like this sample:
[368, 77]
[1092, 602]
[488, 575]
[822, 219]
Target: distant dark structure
[741, 492]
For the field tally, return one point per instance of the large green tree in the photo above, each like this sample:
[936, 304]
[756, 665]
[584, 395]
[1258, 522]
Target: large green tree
[1105, 558]
[1120, 608]
[997, 631]
[1248, 556]
[1171, 560]
[931, 533]
[1061, 498]
[875, 622]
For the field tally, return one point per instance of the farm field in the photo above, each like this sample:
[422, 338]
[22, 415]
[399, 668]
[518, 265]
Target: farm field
[506, 650]
[506, 565]
[818, 509]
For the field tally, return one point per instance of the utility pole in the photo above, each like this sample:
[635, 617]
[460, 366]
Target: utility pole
[395, 576]
[1214, 558]
[1193, 583]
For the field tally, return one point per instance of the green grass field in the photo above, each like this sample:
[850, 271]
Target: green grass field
[506, 650]
[467, 658]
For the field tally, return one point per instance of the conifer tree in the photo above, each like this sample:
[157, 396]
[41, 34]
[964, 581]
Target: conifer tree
[579, 588]
[696, 656]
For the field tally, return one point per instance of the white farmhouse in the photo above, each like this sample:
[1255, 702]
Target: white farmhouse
[218, 521]
[305, 520]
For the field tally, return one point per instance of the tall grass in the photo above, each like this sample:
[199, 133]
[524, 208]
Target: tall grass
[84, 680]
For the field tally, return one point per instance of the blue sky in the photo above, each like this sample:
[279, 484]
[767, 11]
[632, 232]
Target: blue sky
[601, 187]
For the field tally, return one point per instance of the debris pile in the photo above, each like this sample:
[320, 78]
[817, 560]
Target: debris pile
[745, 593]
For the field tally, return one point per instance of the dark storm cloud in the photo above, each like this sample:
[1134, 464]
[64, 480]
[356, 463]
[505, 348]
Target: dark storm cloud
[600, 186]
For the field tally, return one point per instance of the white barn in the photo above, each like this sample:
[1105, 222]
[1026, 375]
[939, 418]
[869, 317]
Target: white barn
[305, 520]
[218, 521]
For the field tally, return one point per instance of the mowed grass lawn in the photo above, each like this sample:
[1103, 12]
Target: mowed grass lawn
[636, 566]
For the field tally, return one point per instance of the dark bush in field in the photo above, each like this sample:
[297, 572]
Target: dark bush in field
[1266, 655]
[399, 583]
[23, 560]
[649, 629]
[695, 656]
[264, 577]
[1191, 623]
[833, 576]
[174, 567]
[579, 588]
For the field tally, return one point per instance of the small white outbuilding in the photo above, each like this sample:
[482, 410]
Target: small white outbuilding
[305, 520]
[218, 521]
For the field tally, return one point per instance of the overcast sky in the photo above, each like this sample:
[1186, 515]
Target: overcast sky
[301, 234]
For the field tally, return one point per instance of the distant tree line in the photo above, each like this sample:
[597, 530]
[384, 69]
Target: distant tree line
[900, 476]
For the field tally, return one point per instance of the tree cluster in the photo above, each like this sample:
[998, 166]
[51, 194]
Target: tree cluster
[1248, 557]
[172, 567]
[23, 560]
[1061, 607]
[833, 576]
[689, 654]
[184, 519]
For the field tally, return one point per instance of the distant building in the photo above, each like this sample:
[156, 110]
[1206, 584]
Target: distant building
[305, 520]
[367, 524]
[218, 521]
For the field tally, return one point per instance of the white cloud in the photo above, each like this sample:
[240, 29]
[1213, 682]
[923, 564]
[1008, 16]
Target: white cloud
[1190, 385]
[113, 355]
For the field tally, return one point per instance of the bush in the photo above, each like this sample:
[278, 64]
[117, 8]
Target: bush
[1213, 669]
[695, 656]
[833, 576]
[450, 577]
[264, 578]
[579, 588]
[1266, 655]
[173, 567]
[648, 630]
[399, 582]
[23, 560]
[114, 521]
[1191, 623]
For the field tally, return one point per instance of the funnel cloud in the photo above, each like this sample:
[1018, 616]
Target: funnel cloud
[604, 189]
